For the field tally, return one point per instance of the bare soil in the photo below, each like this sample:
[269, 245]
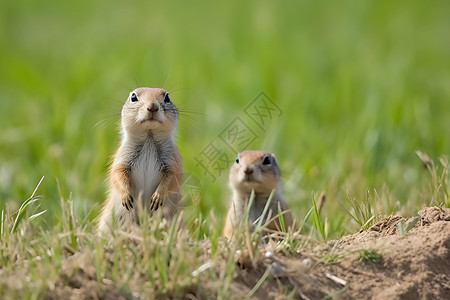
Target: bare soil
[379, 263]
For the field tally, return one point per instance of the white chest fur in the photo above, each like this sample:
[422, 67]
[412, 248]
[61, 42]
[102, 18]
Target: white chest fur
[145, 172]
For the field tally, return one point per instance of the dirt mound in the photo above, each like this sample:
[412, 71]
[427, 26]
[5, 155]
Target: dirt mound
[397, 258]
[378, 263]
[389, 225]
[415, 265]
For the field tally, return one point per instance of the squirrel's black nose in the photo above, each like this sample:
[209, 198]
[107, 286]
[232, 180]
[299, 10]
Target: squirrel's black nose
[153, 107]
[248, 171]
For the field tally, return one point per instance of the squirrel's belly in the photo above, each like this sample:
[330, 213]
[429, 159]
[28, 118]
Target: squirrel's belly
[145, 175]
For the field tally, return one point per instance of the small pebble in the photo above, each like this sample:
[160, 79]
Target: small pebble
[307, 262]
[269, 254]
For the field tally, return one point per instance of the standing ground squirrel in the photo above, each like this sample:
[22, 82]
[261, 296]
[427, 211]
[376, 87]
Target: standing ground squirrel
[257, 171]
[146, 171]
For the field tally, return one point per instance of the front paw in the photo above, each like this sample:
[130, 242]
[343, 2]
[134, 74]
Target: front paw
[156, 201]
[127, 201]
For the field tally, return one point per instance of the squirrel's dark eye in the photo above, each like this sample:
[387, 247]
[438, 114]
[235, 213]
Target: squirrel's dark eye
[166, 98]
[133, 97]
[237, 159]
[267, 160]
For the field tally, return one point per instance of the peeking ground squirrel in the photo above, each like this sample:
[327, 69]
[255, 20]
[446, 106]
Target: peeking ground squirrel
[146, 171]
[257, 171]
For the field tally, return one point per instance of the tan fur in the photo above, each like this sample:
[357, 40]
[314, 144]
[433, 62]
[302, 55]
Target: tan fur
[146, 171]
[251, 174]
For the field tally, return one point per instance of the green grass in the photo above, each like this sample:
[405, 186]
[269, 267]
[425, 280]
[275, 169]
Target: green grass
[362, 85]
[405, 228]
[369, 255]
[151, 263]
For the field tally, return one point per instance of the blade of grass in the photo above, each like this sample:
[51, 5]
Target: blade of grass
[281, 218]
[21, 212]
[317, 221]
[23, 208]
[2, 226]
[260, 282]
[262, 217]
[36, 215]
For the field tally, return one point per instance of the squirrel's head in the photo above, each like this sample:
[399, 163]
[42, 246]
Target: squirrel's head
[149, 110]
[255, 170]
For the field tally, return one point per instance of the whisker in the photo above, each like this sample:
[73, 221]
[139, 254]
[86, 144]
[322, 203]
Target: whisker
[174, 91]
[128, 88]
[193, 112]
[169, 70]
[186, 126]
[102, 122]
[135, 79]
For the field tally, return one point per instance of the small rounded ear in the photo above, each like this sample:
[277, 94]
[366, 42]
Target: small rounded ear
[274, 157]
[274, 160]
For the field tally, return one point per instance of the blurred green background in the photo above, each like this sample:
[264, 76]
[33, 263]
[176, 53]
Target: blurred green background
[362, 85]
